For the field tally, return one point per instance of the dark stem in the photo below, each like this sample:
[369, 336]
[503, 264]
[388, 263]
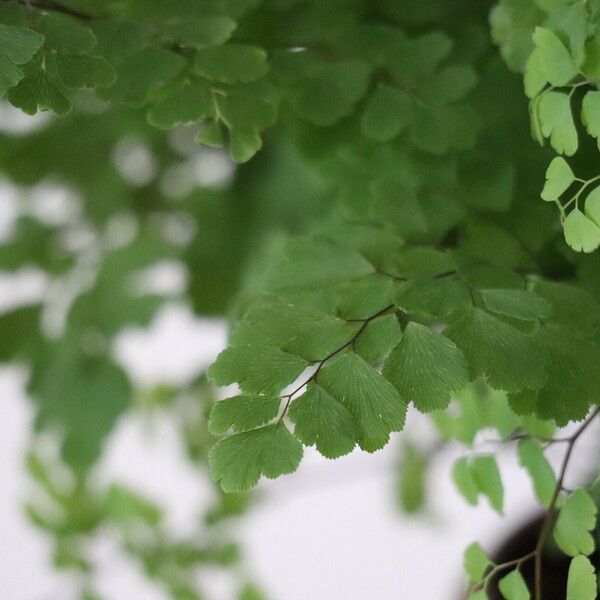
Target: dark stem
[54, 6]
[322, 361]
[548, 522]
[551, 512]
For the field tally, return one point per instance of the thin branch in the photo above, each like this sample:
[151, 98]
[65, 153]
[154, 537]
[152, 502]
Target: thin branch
[54, 6]
[551, 512]
[402, 278]
[390, 275]
[453, 273]
[517, 562]
[322, 361]
[517, 437]
[537, 553]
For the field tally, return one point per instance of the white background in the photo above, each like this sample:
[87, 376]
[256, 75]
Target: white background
[331, 531]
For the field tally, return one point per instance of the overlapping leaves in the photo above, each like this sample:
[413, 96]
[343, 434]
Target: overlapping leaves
[560, 44]
[356, 322]
[158, 58]
[133, 61]
[361, 368]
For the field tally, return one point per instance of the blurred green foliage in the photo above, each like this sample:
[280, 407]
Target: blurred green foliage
[307, 164]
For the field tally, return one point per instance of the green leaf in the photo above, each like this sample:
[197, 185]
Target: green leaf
[123, 505]
[18, 44]
[198, 33]
[476, 562]
[581, 582]
[251, 592]
[421, 56]
[141, 73]
[314, 265]
[511, 29]
[257, 369]
[559, 177]
[581, 233]
[79, 396]
[489, 186]
[572, 306]
[499, 413]
[437, 297]
[231, 63]
[302, 331]
[590, 114]
[245, 110]
[372, 240]
[118, 39]
[320, 420]
[325, 98]
[374, 403]
[20, 333]
[84, 71]
[420, 262]
[573, 377]
[10, 75]
[188, 103]
[537, 427]
[425, 368]
[395, 203]
[378, 338]
[487, 477]
[244, 144]
[518, 304]
[556, 121]
[592, 206]
[534, 78]
[464, 481]
[471, 418]
[532, 458]
[437, 129]
[66, 34]
[577, 518]
[569, 22]
[387, 114]
[495, 246]
[38, 92]
[535, 122]
[364, 297]
[513, 587]
[507, 357]
[237, 462]
[450, 84]
[243, 413]
[413, 473]
[590, 67]
[556, 61]
[211, 134]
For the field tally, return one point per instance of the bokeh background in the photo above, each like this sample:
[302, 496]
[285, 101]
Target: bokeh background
[333, 530]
